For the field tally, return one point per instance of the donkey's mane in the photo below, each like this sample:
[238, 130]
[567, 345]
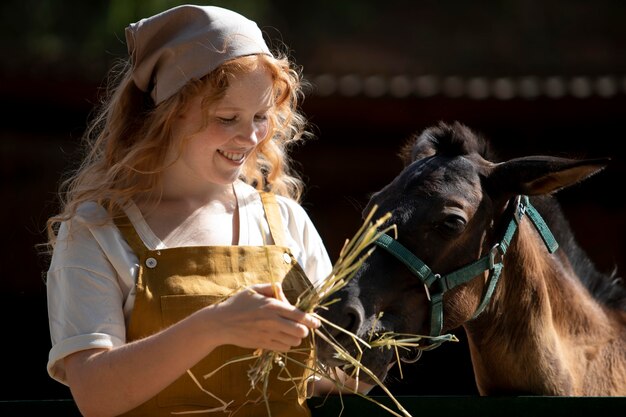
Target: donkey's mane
[608, 289]
[446, 139]
[456, 139]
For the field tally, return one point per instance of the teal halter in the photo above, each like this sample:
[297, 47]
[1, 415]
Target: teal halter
[436, 285]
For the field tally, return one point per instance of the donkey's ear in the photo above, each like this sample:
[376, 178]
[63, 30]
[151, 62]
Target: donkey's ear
[535, 175]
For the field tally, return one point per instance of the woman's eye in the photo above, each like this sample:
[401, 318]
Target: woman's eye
[227, 120]
[260, 117]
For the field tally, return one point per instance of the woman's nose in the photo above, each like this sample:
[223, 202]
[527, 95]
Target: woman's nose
[249, 134]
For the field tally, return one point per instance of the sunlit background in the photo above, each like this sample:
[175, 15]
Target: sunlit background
[535, 76]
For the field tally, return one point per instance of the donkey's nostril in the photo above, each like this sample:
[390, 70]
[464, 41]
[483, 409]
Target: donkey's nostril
[351, 322]
[353, 317]
[346, 317]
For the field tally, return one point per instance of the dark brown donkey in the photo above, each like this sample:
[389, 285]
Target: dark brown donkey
[483, 245]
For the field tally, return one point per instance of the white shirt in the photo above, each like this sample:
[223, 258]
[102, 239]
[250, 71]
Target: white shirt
[91, 279]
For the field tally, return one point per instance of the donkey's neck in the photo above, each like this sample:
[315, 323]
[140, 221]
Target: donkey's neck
[542, 330]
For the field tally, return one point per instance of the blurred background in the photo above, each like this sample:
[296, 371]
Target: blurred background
[534, 76]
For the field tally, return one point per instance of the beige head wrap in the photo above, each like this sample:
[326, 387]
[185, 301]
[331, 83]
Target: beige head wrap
[188, 42]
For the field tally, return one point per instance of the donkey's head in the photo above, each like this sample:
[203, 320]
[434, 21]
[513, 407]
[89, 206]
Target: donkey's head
[449, 204]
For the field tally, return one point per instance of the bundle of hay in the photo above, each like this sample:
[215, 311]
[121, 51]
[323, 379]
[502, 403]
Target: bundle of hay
[352, 255]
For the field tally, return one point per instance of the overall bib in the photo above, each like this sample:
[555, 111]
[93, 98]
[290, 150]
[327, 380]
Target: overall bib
[175, 282]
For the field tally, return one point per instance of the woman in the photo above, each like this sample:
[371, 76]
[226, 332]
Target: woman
[180, 224]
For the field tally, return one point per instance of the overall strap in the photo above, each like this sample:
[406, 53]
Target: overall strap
[272, 213]
[129, 233]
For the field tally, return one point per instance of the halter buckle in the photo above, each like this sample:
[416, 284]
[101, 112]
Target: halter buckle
[495, 254]
[521, 202]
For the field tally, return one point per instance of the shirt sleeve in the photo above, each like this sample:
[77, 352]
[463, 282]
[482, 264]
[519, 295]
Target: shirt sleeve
[306, 242]
[90, 277]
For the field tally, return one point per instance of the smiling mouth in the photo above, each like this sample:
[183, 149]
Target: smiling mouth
[233, 156]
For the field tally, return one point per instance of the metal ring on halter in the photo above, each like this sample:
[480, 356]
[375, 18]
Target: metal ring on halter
[414, 359]
[495, 256]
[427, 291]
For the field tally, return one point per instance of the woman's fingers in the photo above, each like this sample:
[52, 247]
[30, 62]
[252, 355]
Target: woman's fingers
[269, 289]
[261, 317]
[288, 311]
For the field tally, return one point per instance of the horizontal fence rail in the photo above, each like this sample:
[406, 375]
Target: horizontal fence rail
[350, 405]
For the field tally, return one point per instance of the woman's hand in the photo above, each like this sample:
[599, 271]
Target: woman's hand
[260, 316]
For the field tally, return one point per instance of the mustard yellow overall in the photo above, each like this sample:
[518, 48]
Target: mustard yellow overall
[173, 283]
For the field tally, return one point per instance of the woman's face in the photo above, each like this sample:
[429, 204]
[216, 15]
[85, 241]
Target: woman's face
[236, 124]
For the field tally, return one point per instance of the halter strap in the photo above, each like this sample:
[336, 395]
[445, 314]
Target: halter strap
[436, 285]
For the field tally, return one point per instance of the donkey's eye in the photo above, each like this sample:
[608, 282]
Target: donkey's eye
[452, 224]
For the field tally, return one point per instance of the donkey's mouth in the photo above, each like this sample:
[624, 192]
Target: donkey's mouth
[336, 362]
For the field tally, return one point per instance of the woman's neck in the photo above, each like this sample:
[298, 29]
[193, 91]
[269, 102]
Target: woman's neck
[205, 218]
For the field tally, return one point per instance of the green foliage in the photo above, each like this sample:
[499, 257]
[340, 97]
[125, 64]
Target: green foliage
[78, 37]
